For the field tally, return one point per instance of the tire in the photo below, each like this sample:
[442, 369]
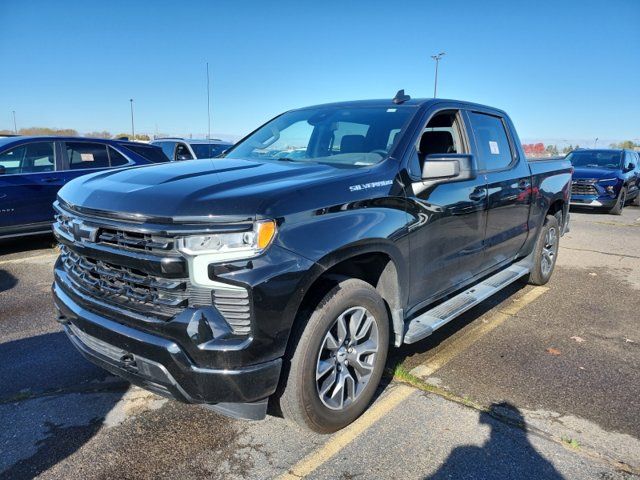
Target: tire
[545, 252]
[622, 199]
[636, 200]
[314, 350]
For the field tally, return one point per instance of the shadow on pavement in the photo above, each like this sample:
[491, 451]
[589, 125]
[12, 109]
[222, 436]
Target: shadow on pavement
[506, 454]
[52, 401]
[7, 281]
[24, 244]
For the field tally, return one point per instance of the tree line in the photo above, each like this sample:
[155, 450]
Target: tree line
[70, 132]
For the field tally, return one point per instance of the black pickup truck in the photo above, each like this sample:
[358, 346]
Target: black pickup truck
[287, 269]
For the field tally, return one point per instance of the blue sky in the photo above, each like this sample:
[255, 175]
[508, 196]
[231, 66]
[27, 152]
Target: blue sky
[563, 69]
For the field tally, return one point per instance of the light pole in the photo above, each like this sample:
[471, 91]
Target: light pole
[133, 132]
[437, 59]
[15, 128]
[595, 143]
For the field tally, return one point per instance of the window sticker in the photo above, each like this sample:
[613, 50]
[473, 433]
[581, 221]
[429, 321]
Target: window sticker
[493, 146]
[86, 157]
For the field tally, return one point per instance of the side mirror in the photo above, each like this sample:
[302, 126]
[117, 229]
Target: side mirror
[448, 166]
[630, 167]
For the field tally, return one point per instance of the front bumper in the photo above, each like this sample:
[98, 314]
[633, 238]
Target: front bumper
[160, 364]
[605, 201]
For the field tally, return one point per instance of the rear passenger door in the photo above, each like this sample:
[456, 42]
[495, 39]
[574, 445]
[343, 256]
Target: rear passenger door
[508, 179]
[29, 184]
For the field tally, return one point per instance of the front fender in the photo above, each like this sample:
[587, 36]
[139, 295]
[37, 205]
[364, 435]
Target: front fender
[328, 238]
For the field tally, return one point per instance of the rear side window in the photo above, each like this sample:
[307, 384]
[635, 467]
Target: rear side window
[116, 158]
[30, 158]
[494, 151]
[151, 153]
[86, 155]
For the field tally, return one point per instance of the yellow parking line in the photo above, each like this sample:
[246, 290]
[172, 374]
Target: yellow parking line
[400, 392]
[338, 441]
[467, 339]
[27, 259]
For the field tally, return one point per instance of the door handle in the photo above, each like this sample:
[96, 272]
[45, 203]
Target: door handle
[524, 184]
[49, 180]
[478, 195]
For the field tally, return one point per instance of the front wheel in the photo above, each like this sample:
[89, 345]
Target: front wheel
[337, 359]
[622, 199]
[545, 251]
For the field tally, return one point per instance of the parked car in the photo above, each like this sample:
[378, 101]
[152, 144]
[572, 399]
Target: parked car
[32, 170]
[188, 149]
[605, 179]
[253, 276]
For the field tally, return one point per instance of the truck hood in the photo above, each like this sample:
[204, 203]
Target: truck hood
[199, 188]
[580, 173]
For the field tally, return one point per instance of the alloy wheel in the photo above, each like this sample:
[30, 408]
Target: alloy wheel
[347, 358]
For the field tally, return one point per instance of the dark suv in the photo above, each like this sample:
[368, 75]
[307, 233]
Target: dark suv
[606, 179]
[32, 170]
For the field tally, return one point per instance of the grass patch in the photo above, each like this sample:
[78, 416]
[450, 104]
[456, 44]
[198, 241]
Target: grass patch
[401, 374]
[572, 442]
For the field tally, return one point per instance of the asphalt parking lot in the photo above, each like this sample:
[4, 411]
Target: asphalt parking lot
[540, 382]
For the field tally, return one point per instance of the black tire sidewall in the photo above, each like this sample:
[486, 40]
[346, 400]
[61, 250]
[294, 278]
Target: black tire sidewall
[346, 295]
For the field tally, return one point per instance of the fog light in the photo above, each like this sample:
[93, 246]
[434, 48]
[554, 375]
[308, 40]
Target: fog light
[609, 189]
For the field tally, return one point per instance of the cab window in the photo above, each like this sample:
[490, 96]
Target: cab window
[494, 151]
[30, 158]
[441, 135]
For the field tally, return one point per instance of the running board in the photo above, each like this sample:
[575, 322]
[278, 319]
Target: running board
[425, 324]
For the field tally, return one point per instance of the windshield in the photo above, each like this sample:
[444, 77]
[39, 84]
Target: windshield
[346, 136]
[209, 150]
[596, 159]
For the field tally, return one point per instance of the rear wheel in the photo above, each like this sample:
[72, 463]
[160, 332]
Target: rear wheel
[622, 199]
[545, 251]
[337, 359]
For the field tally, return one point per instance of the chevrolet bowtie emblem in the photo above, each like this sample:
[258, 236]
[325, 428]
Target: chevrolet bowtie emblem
[83, 232]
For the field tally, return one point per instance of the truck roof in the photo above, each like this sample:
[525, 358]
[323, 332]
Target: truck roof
[388, 102]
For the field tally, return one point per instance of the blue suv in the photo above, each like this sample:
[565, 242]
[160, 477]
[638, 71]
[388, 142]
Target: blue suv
[606, 179]
[33, 169]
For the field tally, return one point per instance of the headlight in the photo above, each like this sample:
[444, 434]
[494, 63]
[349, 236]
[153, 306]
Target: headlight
[230, 246]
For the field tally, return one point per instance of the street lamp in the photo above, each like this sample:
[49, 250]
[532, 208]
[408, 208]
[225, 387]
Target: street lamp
[133, 132]
[437, 59]
[15, 128]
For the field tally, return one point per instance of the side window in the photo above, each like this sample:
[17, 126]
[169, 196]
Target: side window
[183, 153]
[168, 148]
[86, 155]
[31, 158]
[494, 151]
[116, 158]
[441, 135]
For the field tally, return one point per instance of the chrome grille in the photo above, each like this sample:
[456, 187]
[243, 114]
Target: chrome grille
[583, 189]
[134, 241]
[136, 290]
[126, 287]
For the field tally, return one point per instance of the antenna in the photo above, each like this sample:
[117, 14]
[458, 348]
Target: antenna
[401, 97]
[208, 106]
